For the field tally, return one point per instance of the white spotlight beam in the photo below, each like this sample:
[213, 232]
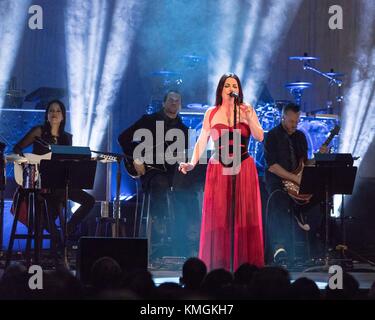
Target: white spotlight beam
[97, 27]
[125, 21]
[270, 36]
[220, 58]
[257, 46]
[12, 23]
[84, 30]
[358, 129]
[252, 20]
[358, 116]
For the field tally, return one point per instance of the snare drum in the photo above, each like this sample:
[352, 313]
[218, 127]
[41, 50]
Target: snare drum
[269, 116]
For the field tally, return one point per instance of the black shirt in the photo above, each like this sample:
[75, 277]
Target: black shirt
[150, 122]
[279, 148]
[41, 132]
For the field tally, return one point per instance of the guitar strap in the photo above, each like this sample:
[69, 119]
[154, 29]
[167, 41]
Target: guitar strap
[293, 157]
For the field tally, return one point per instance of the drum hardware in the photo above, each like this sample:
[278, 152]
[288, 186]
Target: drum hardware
[195, 107]
[165, 73]
[331, 79]
[335, 74]
[332, 76]
[168, 77]
[161, 82]
[305, 57]
[298, 85]
[191, 61]
[192, 57]
[296, 89]
[339, 96]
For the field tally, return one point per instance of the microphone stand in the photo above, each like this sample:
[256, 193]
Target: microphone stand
[234, 178]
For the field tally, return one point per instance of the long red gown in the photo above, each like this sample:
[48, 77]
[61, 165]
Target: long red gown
[215, 236]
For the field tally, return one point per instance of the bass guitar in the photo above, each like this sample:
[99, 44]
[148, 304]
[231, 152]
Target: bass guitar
[167, 157]
[293, 188]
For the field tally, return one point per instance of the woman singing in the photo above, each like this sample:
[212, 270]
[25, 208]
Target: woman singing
[215, 237]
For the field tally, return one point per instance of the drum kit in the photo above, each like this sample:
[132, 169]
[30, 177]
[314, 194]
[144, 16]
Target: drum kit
[164, 80]
[315, 128]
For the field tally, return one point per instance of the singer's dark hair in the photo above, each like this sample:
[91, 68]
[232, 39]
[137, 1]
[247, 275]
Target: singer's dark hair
[220, 86]
[47, 126]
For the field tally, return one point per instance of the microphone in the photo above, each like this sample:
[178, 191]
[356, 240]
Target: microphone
[234, 95]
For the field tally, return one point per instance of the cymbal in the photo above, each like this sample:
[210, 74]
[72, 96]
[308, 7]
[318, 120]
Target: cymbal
[193, 57]
[303, 58]
[165, 73]
[196, 106]
[298, 85]
[335, 74]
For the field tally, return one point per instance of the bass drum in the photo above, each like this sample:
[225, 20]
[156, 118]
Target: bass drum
[269, 116]
[256, 150]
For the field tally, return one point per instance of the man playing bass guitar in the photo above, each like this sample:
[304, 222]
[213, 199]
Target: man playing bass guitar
[285, 150]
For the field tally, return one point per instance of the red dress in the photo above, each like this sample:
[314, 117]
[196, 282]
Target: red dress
[215, 237]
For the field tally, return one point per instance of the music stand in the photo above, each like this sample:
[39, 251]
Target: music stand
[67, 174]
[326, 180]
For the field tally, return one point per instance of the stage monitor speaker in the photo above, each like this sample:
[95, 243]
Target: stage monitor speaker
[130, 253]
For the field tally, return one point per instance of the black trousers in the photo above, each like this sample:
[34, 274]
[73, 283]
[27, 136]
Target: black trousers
[279, 221]
[157, 189]
[282, 229]
[187, 218]
[173, 212]
[56, 200]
